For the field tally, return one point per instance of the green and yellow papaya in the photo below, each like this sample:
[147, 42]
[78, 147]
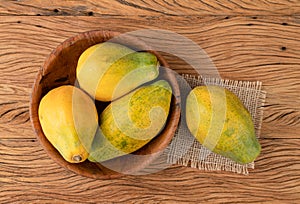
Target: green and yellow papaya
[108, 70]
[219, 121]
[130, 122]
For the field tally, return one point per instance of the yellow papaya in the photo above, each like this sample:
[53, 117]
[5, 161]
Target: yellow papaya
[130, 122]
[108, 70]
[69, 120]
[219, 121]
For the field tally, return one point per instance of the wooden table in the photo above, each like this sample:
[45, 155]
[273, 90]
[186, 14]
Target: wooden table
[247, 40]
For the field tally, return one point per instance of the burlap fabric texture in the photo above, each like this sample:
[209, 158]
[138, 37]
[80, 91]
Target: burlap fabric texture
[187, 151]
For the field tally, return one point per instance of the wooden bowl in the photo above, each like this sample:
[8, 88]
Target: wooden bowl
[60, 69]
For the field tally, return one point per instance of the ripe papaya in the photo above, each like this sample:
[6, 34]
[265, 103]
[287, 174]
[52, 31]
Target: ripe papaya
[130, 122]
[69, 120]
[108, 70]
[219, 121]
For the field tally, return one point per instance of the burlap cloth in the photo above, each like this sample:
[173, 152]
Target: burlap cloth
[187, 151]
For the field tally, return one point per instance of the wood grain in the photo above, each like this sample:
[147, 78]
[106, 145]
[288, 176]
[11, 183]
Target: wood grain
[142, 7]
[241, 47]
[247, 40]
[26, 173]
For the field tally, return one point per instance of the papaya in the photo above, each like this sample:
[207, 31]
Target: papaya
[130, 122]
[108, 70]
[69, 120]
[220, 122]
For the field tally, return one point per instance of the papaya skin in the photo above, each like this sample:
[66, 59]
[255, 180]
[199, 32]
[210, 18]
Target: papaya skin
[213, 108]
[108, 70]
[69, 121]
[130, 122]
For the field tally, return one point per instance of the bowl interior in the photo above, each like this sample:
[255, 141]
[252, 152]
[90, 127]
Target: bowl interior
[60, 69]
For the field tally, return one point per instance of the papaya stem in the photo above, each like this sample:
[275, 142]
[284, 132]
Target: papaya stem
[77, 158]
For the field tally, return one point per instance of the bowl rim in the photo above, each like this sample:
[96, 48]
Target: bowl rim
[34, 104]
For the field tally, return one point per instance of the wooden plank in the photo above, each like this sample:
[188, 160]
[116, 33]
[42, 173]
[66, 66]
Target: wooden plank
[242, 48]
[142, 7]
[27, 174]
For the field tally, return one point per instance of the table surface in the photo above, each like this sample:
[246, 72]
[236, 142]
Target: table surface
[247, 40]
